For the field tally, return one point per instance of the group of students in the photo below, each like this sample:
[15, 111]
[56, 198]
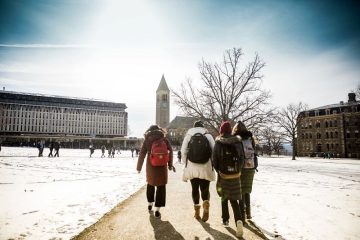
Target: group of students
[230, 159]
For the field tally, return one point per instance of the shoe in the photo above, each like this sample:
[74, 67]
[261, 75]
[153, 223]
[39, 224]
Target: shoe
[225, 223]
[157, 214]
[197, 212]
[206, 206]
[239, 228]
[150, 206]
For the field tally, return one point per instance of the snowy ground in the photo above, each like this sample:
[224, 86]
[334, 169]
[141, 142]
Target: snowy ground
[53, 198]
[308, 198]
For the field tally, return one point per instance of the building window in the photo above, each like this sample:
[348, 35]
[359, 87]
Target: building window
[327, 135]
[348, 134]
[327, 111]
[336, 134]
[317, 124]
[331, 135]
[310, 135]
[326, 124]
[356, 134]
[318, 136]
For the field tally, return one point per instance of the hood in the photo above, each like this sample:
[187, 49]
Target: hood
[246, 134]
[228, 139]
[194, 130]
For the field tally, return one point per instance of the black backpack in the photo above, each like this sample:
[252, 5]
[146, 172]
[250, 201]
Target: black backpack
[199, 149]
[230, 162]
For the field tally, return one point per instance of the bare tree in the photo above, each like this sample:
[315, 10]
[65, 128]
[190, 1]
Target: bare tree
[227, 91]
[270, 139]
[288, 119]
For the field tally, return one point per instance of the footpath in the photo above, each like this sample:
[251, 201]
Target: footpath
[131, 220]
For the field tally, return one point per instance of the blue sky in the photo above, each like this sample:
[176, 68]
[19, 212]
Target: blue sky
[118, 50]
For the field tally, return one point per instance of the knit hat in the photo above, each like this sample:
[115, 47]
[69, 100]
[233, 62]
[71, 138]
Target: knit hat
[198, 124]
[225, 128]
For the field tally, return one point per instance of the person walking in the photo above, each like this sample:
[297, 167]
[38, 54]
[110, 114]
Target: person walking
[92, 149]
[228, 159]
[103, 151]
[157, 148]
[179, 156]
[57, 148]
[51, 148]
[196, 150]
[249, 168]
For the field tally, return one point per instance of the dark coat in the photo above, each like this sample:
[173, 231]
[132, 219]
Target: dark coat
[229, 189]
[155, 176]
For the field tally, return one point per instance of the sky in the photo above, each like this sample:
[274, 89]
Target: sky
[118, 50]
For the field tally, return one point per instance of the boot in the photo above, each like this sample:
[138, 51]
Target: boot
[239, 229]
[206, 206]
[242, 209]
[247, 203]
[197, 212]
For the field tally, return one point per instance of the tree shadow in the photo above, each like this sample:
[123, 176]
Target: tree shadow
[217, 234]
[164, 230]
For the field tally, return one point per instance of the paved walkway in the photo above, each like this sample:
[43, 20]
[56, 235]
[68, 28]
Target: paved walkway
[131, 219]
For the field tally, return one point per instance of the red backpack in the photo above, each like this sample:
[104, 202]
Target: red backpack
[159, 155]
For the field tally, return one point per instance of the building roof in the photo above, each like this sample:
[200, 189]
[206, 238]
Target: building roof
[51, 100]
[337, 105]
[181, 122]
[162, 85]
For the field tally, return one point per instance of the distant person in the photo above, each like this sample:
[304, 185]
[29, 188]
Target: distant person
[132, 152]
[137, 150]
[113, 152]
[249, 167]
[103, 148]
[92, 149]
[196, 152]
[179, 156]
[57, 148]
[109, 152]
[40, 147]
[51, 148]
[159, 154]
[228, 159]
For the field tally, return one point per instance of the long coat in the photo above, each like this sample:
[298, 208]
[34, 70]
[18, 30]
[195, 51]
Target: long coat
[155, 176]
[197, 170]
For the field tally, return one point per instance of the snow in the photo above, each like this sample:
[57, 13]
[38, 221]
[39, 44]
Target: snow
[307, 198]
[53, 198]
[56, 198]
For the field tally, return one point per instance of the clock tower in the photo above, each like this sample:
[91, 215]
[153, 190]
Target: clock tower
[162, 104]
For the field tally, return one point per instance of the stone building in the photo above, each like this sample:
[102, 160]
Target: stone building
[28, 118]
[332, 129]
[177, 129]
[162, 104]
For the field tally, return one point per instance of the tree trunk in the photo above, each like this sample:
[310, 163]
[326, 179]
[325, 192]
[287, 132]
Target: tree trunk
[293, 149]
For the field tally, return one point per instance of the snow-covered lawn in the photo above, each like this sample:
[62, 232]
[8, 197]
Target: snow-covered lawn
[308, 198]
[53, 198]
